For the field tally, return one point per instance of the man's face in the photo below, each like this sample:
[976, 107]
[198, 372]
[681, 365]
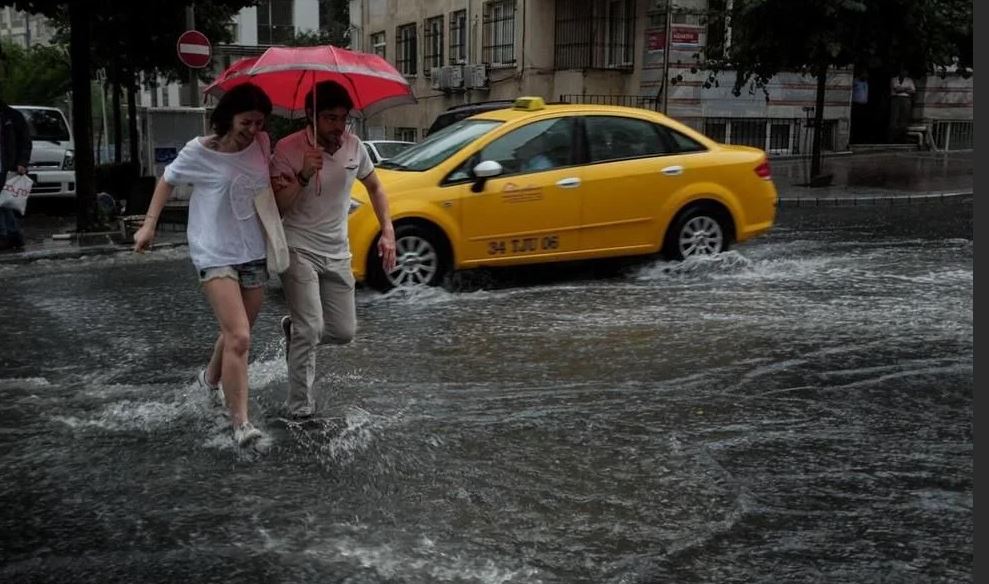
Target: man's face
[330, 125]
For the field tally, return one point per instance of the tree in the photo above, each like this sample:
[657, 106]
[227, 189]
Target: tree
[38, 75]
[130, 35]
[811, 36]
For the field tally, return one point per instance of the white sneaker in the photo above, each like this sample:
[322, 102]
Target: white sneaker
[247, 434]
[213, 391]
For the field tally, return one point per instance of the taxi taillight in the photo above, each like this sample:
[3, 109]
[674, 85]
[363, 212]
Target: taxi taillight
[763, 170]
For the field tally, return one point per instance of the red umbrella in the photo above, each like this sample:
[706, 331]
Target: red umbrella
[287, 73]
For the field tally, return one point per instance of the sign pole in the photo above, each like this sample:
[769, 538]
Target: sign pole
[190, 22]
[666, 55]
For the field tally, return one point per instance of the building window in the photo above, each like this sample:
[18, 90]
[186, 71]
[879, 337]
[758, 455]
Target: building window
[458, 37]
[275, 24]
[406, 51]
[433, 37]
[405, 134]
[378, 44]
[595, 35]
[499, 32]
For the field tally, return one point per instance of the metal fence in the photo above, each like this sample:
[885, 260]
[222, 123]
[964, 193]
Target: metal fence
[953, 134]
[777, 136]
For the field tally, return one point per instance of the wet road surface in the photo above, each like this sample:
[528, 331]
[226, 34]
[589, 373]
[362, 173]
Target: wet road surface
[796, 410]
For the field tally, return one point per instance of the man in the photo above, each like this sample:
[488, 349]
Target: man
[15, 154]
[312, 188]
[901, 89]
[860, 105]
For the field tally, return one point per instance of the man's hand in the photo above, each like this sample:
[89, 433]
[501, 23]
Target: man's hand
[386, 248]
[312, 162]
[21, 169]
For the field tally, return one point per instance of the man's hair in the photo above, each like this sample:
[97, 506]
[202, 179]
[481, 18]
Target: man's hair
[243, 98]
[329, 95]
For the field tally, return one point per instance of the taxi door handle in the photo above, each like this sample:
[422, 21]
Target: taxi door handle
[568, 183]
[672, 170]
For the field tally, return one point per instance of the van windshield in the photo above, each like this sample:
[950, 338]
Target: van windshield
[47, 125]
[439, 146]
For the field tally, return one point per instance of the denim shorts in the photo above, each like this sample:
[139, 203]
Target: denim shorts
[249, 275]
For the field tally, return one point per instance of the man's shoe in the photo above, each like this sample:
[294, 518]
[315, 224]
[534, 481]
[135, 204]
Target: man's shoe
[213, 391]
[246, 434]
[302, 413]
[287, 330]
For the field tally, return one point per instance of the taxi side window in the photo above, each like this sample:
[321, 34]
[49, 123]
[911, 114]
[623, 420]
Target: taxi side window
[619, 138]
[534, 147]
[680, 142]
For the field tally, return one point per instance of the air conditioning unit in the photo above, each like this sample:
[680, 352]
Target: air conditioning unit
[448, 77]
[476, 76]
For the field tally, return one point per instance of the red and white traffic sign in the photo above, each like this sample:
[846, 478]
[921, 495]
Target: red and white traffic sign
[194, 49]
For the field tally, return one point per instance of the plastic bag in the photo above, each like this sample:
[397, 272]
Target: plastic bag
[15, 191]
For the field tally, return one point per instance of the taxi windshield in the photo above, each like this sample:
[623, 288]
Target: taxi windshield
[439, 146]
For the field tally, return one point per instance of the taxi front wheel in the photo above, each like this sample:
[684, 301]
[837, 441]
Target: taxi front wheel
[420, 260]
[697, 231]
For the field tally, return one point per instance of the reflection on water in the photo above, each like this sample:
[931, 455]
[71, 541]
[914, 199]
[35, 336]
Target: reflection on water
[796, 410]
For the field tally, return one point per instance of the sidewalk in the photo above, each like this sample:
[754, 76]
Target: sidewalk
[884, 178]
[900, 177]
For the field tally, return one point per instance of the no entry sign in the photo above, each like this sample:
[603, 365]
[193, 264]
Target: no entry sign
[194, 49]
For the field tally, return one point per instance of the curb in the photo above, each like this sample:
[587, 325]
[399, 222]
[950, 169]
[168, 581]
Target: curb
[871, 200]
[27, 257]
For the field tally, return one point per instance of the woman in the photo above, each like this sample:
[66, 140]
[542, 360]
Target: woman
[226, 242]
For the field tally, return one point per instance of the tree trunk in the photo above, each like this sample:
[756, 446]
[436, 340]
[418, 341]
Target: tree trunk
[118, 131]
[82, 115]
[135, 155]
[815, 164]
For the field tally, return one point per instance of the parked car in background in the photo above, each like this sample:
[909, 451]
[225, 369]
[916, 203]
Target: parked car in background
[537, 183]
[384, 149]
[456, 113]
[52, 166]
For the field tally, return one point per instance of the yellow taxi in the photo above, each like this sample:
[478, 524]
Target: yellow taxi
[538, 183]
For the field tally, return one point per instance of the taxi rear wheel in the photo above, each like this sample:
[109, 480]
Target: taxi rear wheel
[702, 230]
[420, 259]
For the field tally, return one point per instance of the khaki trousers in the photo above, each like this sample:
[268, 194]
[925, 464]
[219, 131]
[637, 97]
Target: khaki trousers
[320, 295]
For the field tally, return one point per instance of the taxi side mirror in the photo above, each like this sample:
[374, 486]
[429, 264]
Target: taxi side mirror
[483, 171]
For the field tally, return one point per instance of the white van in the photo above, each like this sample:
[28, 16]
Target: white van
[52, 166]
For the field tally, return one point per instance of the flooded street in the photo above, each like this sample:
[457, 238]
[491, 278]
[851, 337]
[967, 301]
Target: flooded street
[798, 409]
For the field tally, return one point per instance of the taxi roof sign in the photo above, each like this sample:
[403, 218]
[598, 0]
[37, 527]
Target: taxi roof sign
[529, 104]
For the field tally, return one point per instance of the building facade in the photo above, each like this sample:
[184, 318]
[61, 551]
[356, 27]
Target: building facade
[615, 52]
[24, 29]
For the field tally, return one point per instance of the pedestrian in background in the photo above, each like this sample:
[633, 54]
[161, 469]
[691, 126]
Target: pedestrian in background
[317, 167]
[15, 155]
[860, 104]
[902, 89]
[227, 170]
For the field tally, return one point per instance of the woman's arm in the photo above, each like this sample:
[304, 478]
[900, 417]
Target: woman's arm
[146, 234]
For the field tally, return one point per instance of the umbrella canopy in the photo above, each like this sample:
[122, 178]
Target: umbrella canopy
[286, 74]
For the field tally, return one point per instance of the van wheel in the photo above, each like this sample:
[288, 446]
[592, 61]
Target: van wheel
[420, 260]
[697, 231]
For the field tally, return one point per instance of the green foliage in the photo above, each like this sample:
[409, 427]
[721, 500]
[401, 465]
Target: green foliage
[770, 36]
[36, 76]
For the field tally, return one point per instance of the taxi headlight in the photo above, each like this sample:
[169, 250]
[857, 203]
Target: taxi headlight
[354, 206]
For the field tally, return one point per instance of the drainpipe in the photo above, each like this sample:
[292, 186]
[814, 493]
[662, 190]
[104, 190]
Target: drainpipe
[666, 55]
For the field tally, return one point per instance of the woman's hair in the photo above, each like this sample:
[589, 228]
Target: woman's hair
[329, 95]
[243, 98]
